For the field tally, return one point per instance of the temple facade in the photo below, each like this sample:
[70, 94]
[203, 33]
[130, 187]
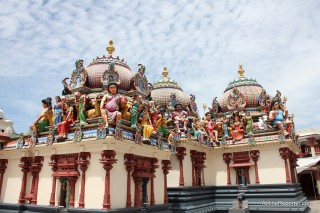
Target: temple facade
[113, 141]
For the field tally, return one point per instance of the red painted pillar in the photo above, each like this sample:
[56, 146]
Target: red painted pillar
[284, 152]
[73, 181]
[54, 165]
[107, 159]
[3, 167]
[165, 167]
[35, 169]
[181, 152]
[130, 163]
[25, 165]
[83, 162]
[154, 165]
[137, 192]
[193, 161]
[227, 158]
[254, 155]
[202, 158]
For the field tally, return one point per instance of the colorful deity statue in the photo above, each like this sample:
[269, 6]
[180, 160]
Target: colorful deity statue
[45, 118]
[278, 116]
[82, 107]
[146, 124]
[193, 108]
[63, 127]
[179, 116]
[198, 129]
[216, 108]
[79, 75]
[210, 127]
[172, 102]
[58, 111]
[263, 98]
[137, 102]
[226, 128]
[153, 113]
[161, 123]
[237, 128]
[249, 123]
[66, 89]
[125, 106]
[109, 105]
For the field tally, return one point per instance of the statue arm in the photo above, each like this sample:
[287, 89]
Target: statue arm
[103, 101]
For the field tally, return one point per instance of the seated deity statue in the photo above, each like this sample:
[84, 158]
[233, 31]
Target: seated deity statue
[179, 116]
[109, 105]
[44, 119]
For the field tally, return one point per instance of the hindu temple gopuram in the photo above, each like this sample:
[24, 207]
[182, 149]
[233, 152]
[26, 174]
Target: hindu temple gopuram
[112, 141]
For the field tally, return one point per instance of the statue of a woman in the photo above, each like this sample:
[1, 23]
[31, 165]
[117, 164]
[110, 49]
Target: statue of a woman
[58, 111]
[145, 122]
[44, 119]
[63, 127]
[278, 116]
[82, 108]
[134, 110]
[110, 105]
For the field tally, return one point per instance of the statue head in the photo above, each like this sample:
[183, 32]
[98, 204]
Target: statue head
[178, 107]
[79, 63]
[113, 88]
[142, 69]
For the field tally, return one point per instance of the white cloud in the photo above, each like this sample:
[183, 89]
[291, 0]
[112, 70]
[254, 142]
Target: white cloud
[201, 43]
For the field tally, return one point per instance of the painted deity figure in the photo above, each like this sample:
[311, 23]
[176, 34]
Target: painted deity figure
[44, 119]
[237, 132]
[63, 127]
[82, 107]
[210, 127]
[153, 113]
[198, 129]
[146, 124]
[161, 123]
[193, 106]
[110, 105]
[179, 116]
[249, 122]
[135, 110]
[278, 116]
[58, 111]
[172, 102]
[226, 128]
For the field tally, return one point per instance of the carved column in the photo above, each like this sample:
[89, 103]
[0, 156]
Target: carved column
[166, 167]
[227, 159]
[35, 169]
[201, 158]
[54, 165]
[254, 155]
[83, 162]
[311, 144]
[293, 164]
[3, 167]
[193, 161]
[137, 192]
[73, 181]
[181, 152]
[107, 159]
[154, 165]
[25, 168]
[285, 152]
[130, 163]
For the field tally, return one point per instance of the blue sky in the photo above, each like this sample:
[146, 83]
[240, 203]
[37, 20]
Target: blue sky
[201, 43]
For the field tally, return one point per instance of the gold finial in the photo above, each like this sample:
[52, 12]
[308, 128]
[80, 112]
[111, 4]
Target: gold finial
[165, 74]
[241, 71]
[110, 48]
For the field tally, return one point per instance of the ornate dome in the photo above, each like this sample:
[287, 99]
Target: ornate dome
[163, 89]
[248, 87]
[97, 67]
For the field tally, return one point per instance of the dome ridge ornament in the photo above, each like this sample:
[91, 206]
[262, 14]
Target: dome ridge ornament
[241, 72]
[165, 74]
[110, 48]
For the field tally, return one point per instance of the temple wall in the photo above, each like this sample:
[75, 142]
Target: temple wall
[12, 181]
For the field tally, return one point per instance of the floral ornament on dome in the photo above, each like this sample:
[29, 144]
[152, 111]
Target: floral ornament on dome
[140, 81]
[110, 76]
[79, 75]
[236, 100]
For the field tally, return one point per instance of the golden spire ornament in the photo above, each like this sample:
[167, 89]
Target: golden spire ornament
[241, 71]
[165, 74]
[110, 48]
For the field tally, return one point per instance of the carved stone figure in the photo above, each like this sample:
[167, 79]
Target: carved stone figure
[44, 119]
[180, 116]
[109, 105]
[146, 124]
[135, 110]
[79, 75]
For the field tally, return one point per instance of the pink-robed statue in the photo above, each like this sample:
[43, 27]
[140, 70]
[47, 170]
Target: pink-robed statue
[64, 126]
[180, 116]
[110, 105]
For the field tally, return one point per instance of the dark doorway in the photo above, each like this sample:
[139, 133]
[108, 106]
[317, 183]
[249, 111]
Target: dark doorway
[308, 184]
[65, 192]
[241, 175]
[144, 192]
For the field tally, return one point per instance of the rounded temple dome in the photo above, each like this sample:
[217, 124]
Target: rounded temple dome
[96, 69]
[1, 114]
[163, 89]
[248, 87]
